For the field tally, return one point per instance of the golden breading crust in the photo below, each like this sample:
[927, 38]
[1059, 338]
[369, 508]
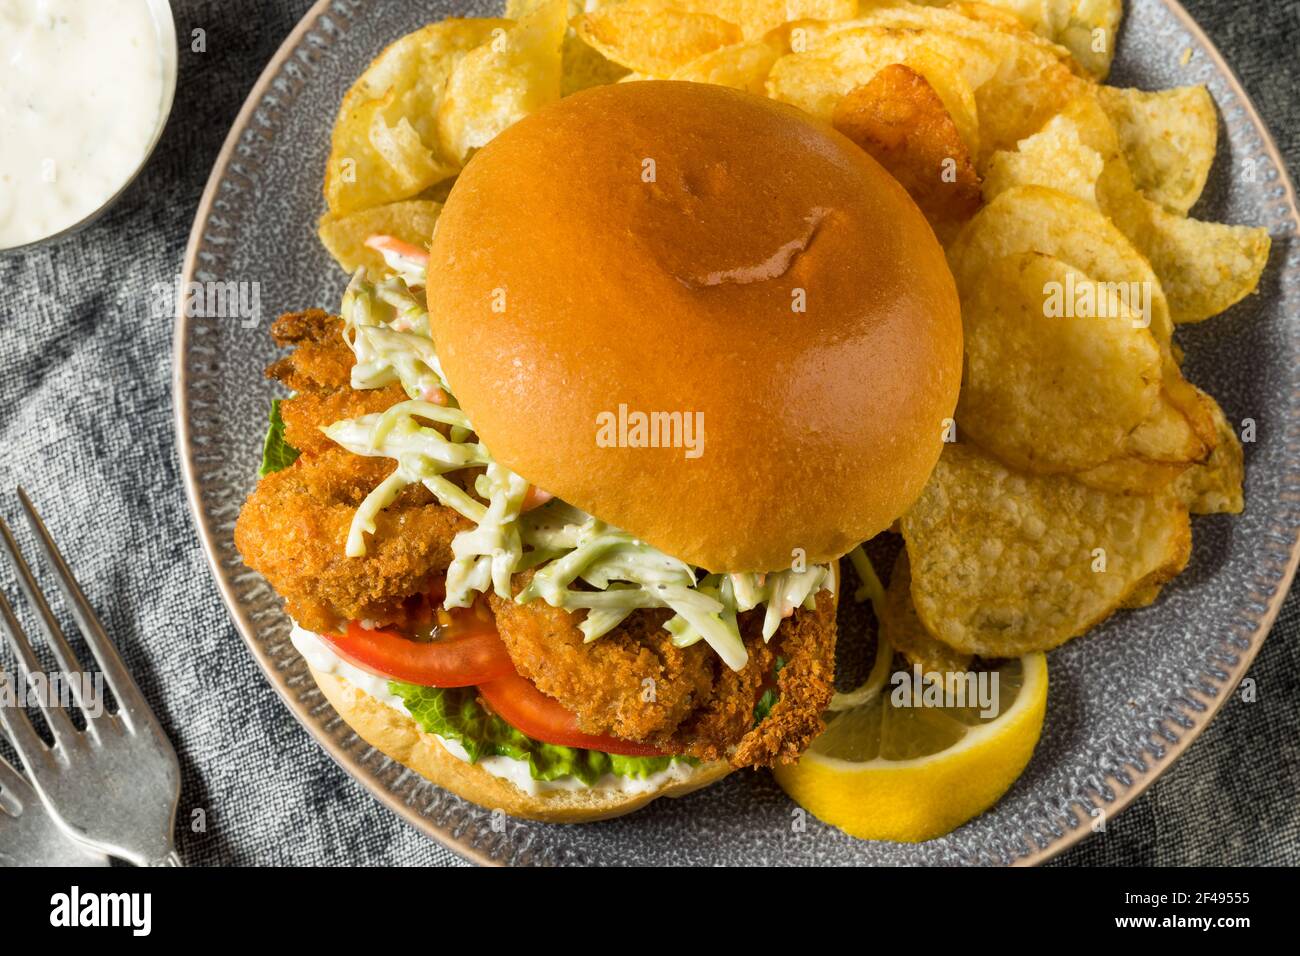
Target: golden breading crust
[806, 685]
[294, 527]
[632, 683]
[319, 372]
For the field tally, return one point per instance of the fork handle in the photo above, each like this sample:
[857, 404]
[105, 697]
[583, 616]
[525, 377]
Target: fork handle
[171, 859]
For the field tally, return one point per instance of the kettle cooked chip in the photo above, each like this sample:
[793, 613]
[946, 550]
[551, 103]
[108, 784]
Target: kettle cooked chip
[1169, 435]
[1004, 564]
[1054, 157]
[1034, 78]
[1057, 372]
[1215, 487]
[1038, 219]
[904, 632]
[498, 83]
[1086, 28]
[384, 146]
[845, 58]
[1169, 138]
[901, 121]
[654, 38]
[757, 18]
[741, 66]
[345, 236]
[1132, 476]
[1204, 267]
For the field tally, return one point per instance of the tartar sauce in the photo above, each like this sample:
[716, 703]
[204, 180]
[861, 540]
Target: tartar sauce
[80, 98]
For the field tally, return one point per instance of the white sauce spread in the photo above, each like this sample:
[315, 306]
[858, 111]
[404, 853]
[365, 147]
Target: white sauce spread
[322, 658]
[80, 99]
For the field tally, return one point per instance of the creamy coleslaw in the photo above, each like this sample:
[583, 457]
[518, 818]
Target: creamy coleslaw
[580, 562]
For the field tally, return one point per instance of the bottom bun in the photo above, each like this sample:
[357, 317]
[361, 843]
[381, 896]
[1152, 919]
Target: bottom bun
[400, 737]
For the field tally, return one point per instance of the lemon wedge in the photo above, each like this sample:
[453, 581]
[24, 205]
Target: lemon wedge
[889, 768]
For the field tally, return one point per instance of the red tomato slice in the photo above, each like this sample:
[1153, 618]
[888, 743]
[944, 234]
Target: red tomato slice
[461, 658]
[543, 718]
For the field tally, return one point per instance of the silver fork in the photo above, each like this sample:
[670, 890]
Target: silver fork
[115, 786]
[28, 835]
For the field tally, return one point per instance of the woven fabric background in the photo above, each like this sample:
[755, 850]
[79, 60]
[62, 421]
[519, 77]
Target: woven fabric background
[86, 427]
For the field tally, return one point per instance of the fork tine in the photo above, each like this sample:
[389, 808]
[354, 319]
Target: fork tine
[11, 805]
[20, 730]
[49, 623]
[55, 716]
[131, 703]
[15, 792]
[11, 781]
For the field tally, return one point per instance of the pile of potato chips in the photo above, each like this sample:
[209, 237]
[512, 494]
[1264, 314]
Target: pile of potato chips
[1063, 206]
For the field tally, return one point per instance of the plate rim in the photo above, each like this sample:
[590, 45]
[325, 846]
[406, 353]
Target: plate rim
[1125, 792]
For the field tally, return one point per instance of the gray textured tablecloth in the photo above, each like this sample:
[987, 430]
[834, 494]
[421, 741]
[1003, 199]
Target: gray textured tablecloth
[86, 427]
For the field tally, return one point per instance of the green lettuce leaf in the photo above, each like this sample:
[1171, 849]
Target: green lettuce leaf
[770, 696]
[454, 713]
[277, 454]
[765, 705]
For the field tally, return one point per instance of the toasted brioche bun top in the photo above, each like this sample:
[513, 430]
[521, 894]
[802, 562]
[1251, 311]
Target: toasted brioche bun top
[662, 247]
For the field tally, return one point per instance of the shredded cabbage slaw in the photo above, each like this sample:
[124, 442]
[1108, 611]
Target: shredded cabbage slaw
[580, 562]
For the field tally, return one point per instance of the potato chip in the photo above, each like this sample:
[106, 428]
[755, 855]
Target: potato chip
[1204, 267]
[899, 119]
[1086, 28]
[345, 235]
[742, 66]
[652, 37]
[836, 59]
[1010, 15]
[1037, 219]
[1013, 108]
[515, 73]
[356, 174]
[1132, 476]
[958, 96]
[1168, 137]
[1216, 486]
[582, 66]
[904, 632]
[1055, 157]
[841, 61]
[1004, 564]
[757, 18]
[1144, 596]
[414, 166]
[1034, 78]
[971, 19]
[518, 9]
[1089, 32]
[1057, 373]
[1168, 435]
[374, 158]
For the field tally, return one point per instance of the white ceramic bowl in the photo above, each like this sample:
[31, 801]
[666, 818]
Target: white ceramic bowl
[161, 12]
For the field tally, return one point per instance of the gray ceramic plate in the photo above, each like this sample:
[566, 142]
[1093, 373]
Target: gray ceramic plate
[1126, 700]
